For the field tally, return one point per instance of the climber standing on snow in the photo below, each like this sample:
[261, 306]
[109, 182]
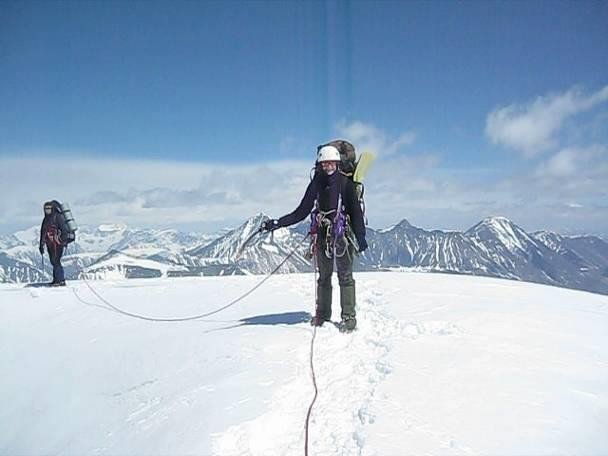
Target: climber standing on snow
[53, 226]
[339, 228]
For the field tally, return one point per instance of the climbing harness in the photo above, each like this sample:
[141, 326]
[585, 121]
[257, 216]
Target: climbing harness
[335, 226]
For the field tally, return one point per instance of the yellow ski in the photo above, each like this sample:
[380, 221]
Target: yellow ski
[365, 162]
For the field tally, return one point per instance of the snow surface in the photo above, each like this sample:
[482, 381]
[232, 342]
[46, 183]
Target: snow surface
[440, 364]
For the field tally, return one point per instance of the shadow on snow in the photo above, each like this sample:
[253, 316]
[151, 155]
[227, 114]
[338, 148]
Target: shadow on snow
[287, 318]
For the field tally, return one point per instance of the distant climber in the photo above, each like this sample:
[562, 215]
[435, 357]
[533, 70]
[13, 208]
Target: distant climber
[54, 234]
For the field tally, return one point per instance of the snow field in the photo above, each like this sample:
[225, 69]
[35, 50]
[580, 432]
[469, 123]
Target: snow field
[440, 364]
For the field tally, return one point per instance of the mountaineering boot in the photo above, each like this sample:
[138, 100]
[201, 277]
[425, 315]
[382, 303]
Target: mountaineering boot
[348, 324]
[347, 302]
[323, 312]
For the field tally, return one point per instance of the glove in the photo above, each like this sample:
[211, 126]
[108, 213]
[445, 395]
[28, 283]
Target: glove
[270, 225]
[362, 245]
[41, 249]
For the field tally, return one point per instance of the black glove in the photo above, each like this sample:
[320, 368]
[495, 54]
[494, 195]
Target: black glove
[270, 225]
[41, 249]
[362, 245]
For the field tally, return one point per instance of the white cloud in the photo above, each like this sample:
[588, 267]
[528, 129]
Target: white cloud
[368, 137]
[532, 128]
[144, 192]
[562, 164]
[574, 205]
[572, 183]
[573, 163]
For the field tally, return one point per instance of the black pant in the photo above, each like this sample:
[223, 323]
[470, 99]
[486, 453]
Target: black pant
[344, 264]
[55, 254]
[343, 256]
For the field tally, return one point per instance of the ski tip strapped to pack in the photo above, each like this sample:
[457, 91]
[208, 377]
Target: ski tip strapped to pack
[361, 168]
[363, 165]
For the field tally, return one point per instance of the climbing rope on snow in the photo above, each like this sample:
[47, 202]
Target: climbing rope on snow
[200, 316]
[314, 384]
[312, 365]
[112, 307]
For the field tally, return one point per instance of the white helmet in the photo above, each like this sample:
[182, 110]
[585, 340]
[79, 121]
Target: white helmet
[328, 153]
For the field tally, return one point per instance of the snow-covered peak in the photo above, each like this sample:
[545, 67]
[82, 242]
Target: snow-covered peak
[100, 238]
[8, 241]
[252, 224]
[29, 236]
[118, 264]
[403, 225]
[502, 230]
[497, 222]
[228, 245]
[258, 253]
[552, 240]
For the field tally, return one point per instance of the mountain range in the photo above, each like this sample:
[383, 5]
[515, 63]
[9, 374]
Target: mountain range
[495, 247]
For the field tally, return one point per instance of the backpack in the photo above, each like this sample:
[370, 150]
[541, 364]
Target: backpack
[348, 156]
[64, 211]
[348, 165]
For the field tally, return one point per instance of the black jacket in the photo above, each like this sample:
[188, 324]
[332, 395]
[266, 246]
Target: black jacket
[322, 187]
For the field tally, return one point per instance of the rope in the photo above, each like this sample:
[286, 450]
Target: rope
[92, 304]
[314, 383]
[203, 315]
[312, 349]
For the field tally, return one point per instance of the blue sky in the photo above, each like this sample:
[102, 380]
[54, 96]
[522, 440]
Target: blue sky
[475, 109]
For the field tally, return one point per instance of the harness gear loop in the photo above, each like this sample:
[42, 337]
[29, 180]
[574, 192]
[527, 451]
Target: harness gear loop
[335, 224]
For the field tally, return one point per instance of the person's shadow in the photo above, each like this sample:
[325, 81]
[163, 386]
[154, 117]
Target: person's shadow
[39, 285]
[287, 318]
